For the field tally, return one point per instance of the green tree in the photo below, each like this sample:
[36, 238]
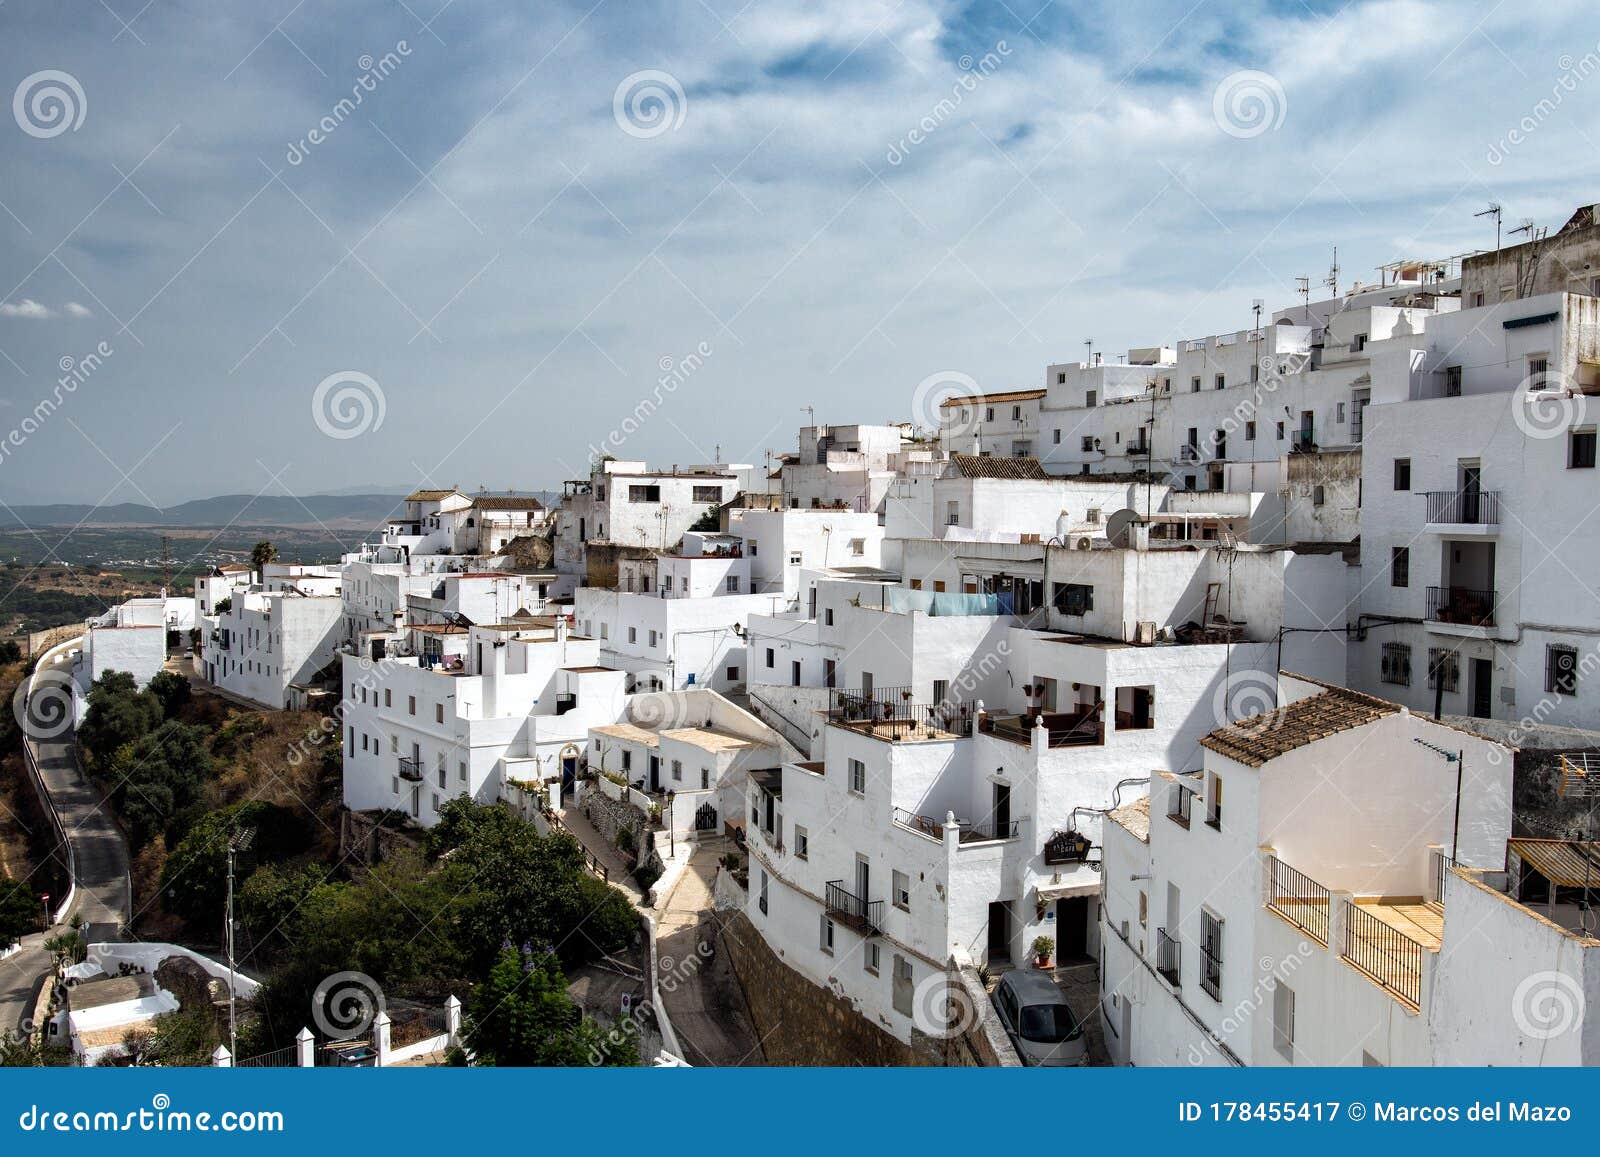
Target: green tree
[158, 780]
[260, 555]
[20, 911]
[522, 1015]
[224, 605]
[186, 1037]
[10, 652]
[119, 714]
[195, 879]
[171, 690]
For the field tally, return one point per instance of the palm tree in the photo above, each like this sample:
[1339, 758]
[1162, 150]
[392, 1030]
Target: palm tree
[260, 555]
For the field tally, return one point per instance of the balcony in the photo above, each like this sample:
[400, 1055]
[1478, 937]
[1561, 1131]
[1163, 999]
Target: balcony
[1082, 727]
[970, 833]
[1298, 899]
[888, 713]
[864, 916]
[1169, 958]
[1379, 943]
[411, 769]
[1463, 606]
[1463, 507]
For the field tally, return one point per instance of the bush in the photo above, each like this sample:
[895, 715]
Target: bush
[646, 874]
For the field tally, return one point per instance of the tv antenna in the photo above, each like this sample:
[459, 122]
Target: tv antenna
[1303, 288]
[1332, 281]
[1088, 345]
[1493, 211]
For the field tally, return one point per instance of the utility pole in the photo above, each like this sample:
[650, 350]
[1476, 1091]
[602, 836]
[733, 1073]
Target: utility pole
[1333, 273]
[240, 841]
[166, 565]
[1088, 357]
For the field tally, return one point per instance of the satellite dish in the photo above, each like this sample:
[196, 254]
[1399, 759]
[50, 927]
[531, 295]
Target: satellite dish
[1119, 524]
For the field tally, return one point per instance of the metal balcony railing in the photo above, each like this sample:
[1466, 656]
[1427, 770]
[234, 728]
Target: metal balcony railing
[1298, 899]
[1384, 953]
[889, 713]
[1464, 507]
[411, 769]
[1169, 958]
[865, 916]
[1078, 728]
[1464, 605]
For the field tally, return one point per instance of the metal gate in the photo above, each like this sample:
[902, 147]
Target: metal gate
[705, 818]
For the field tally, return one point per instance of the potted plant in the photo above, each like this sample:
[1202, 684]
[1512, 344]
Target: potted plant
[1043, 948]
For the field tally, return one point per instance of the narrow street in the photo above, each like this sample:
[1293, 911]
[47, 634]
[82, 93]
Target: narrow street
[100, 854]
[702, 997]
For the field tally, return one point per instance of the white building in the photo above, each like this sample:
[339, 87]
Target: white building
[781, 544]
[268, 642]
[1328, 887]
[509, 701]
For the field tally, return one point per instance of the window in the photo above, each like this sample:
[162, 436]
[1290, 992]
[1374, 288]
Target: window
[705, 778]
[1283, 1020]
[1249, 431]
[1073, 598]
[438, 712]
[858, 547]
[1144, 909]
[904, 985]
[1056, 437]
[1561, 669]
[988, 413]
[1538, 371]
[1092, 516]
[755, 547]
[1221, 381]
[802, 843]
[761, 902]
[1061, 378]
[827, 616]
[732, 584]
[1194, 384]
[388, 697]
[901, 890]
[858, 777]
[1358, 343]
[627, 760]
[652, 638]
[1452, 381]
[1402, 474]
[1214, 800]
[1445, 666]
[1338, 412]
[870, 957]
[1396, 667]
[1087, 443]
[1280, 431]
[633, 634]
[411, 704]
[708, 494]
[733, 674]
[644, 494]
[1400, 566]
[1090, 397]
[677, 769]
[952, 513]
[770, 657]
[1211, 955]
[435, 801]
[1016, 413]
[666, 582]
[827, 935]
[1319, 495]
[794, 558]
[1580, 449]
[461, 772]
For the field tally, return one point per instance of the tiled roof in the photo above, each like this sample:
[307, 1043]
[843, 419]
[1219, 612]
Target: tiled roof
[1006, 396]
[1023, 469]
[429, 495]
[1135, 817]
[506, 502]
[1264, 737]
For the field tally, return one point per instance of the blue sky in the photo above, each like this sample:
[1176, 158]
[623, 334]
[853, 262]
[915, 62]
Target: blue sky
[508, 261]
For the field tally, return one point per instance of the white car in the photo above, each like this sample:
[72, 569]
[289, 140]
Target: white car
[1039, 1020]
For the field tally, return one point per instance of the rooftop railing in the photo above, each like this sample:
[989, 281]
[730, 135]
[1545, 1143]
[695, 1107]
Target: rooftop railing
[1082, 727]
[1298, 899]
[1384, 953]
[889, 713]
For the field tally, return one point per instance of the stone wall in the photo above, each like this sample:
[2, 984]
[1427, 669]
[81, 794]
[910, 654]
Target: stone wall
[367, 838]
[601, 559]
[610, 816]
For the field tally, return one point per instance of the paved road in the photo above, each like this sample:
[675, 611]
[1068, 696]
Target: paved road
[100, 853]
[703, 999]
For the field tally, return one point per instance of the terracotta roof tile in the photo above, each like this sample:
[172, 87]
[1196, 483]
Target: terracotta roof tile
[1020, 469]
[1006, 396]
[1264, 737]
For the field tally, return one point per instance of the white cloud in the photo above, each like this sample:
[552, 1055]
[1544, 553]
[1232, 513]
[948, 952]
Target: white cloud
[27, 308]
[76, 310]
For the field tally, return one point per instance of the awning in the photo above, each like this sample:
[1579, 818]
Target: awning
[769, 780]
[1565, 863]
[1067, 891]
[1537, 319]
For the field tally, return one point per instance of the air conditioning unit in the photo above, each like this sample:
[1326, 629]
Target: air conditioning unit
[1085, 543]
[1144, 633]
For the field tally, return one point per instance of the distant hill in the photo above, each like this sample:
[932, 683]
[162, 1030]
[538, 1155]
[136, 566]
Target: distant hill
[363, 510]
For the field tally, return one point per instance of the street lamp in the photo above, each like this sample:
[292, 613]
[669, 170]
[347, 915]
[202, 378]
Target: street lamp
[240, 841]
